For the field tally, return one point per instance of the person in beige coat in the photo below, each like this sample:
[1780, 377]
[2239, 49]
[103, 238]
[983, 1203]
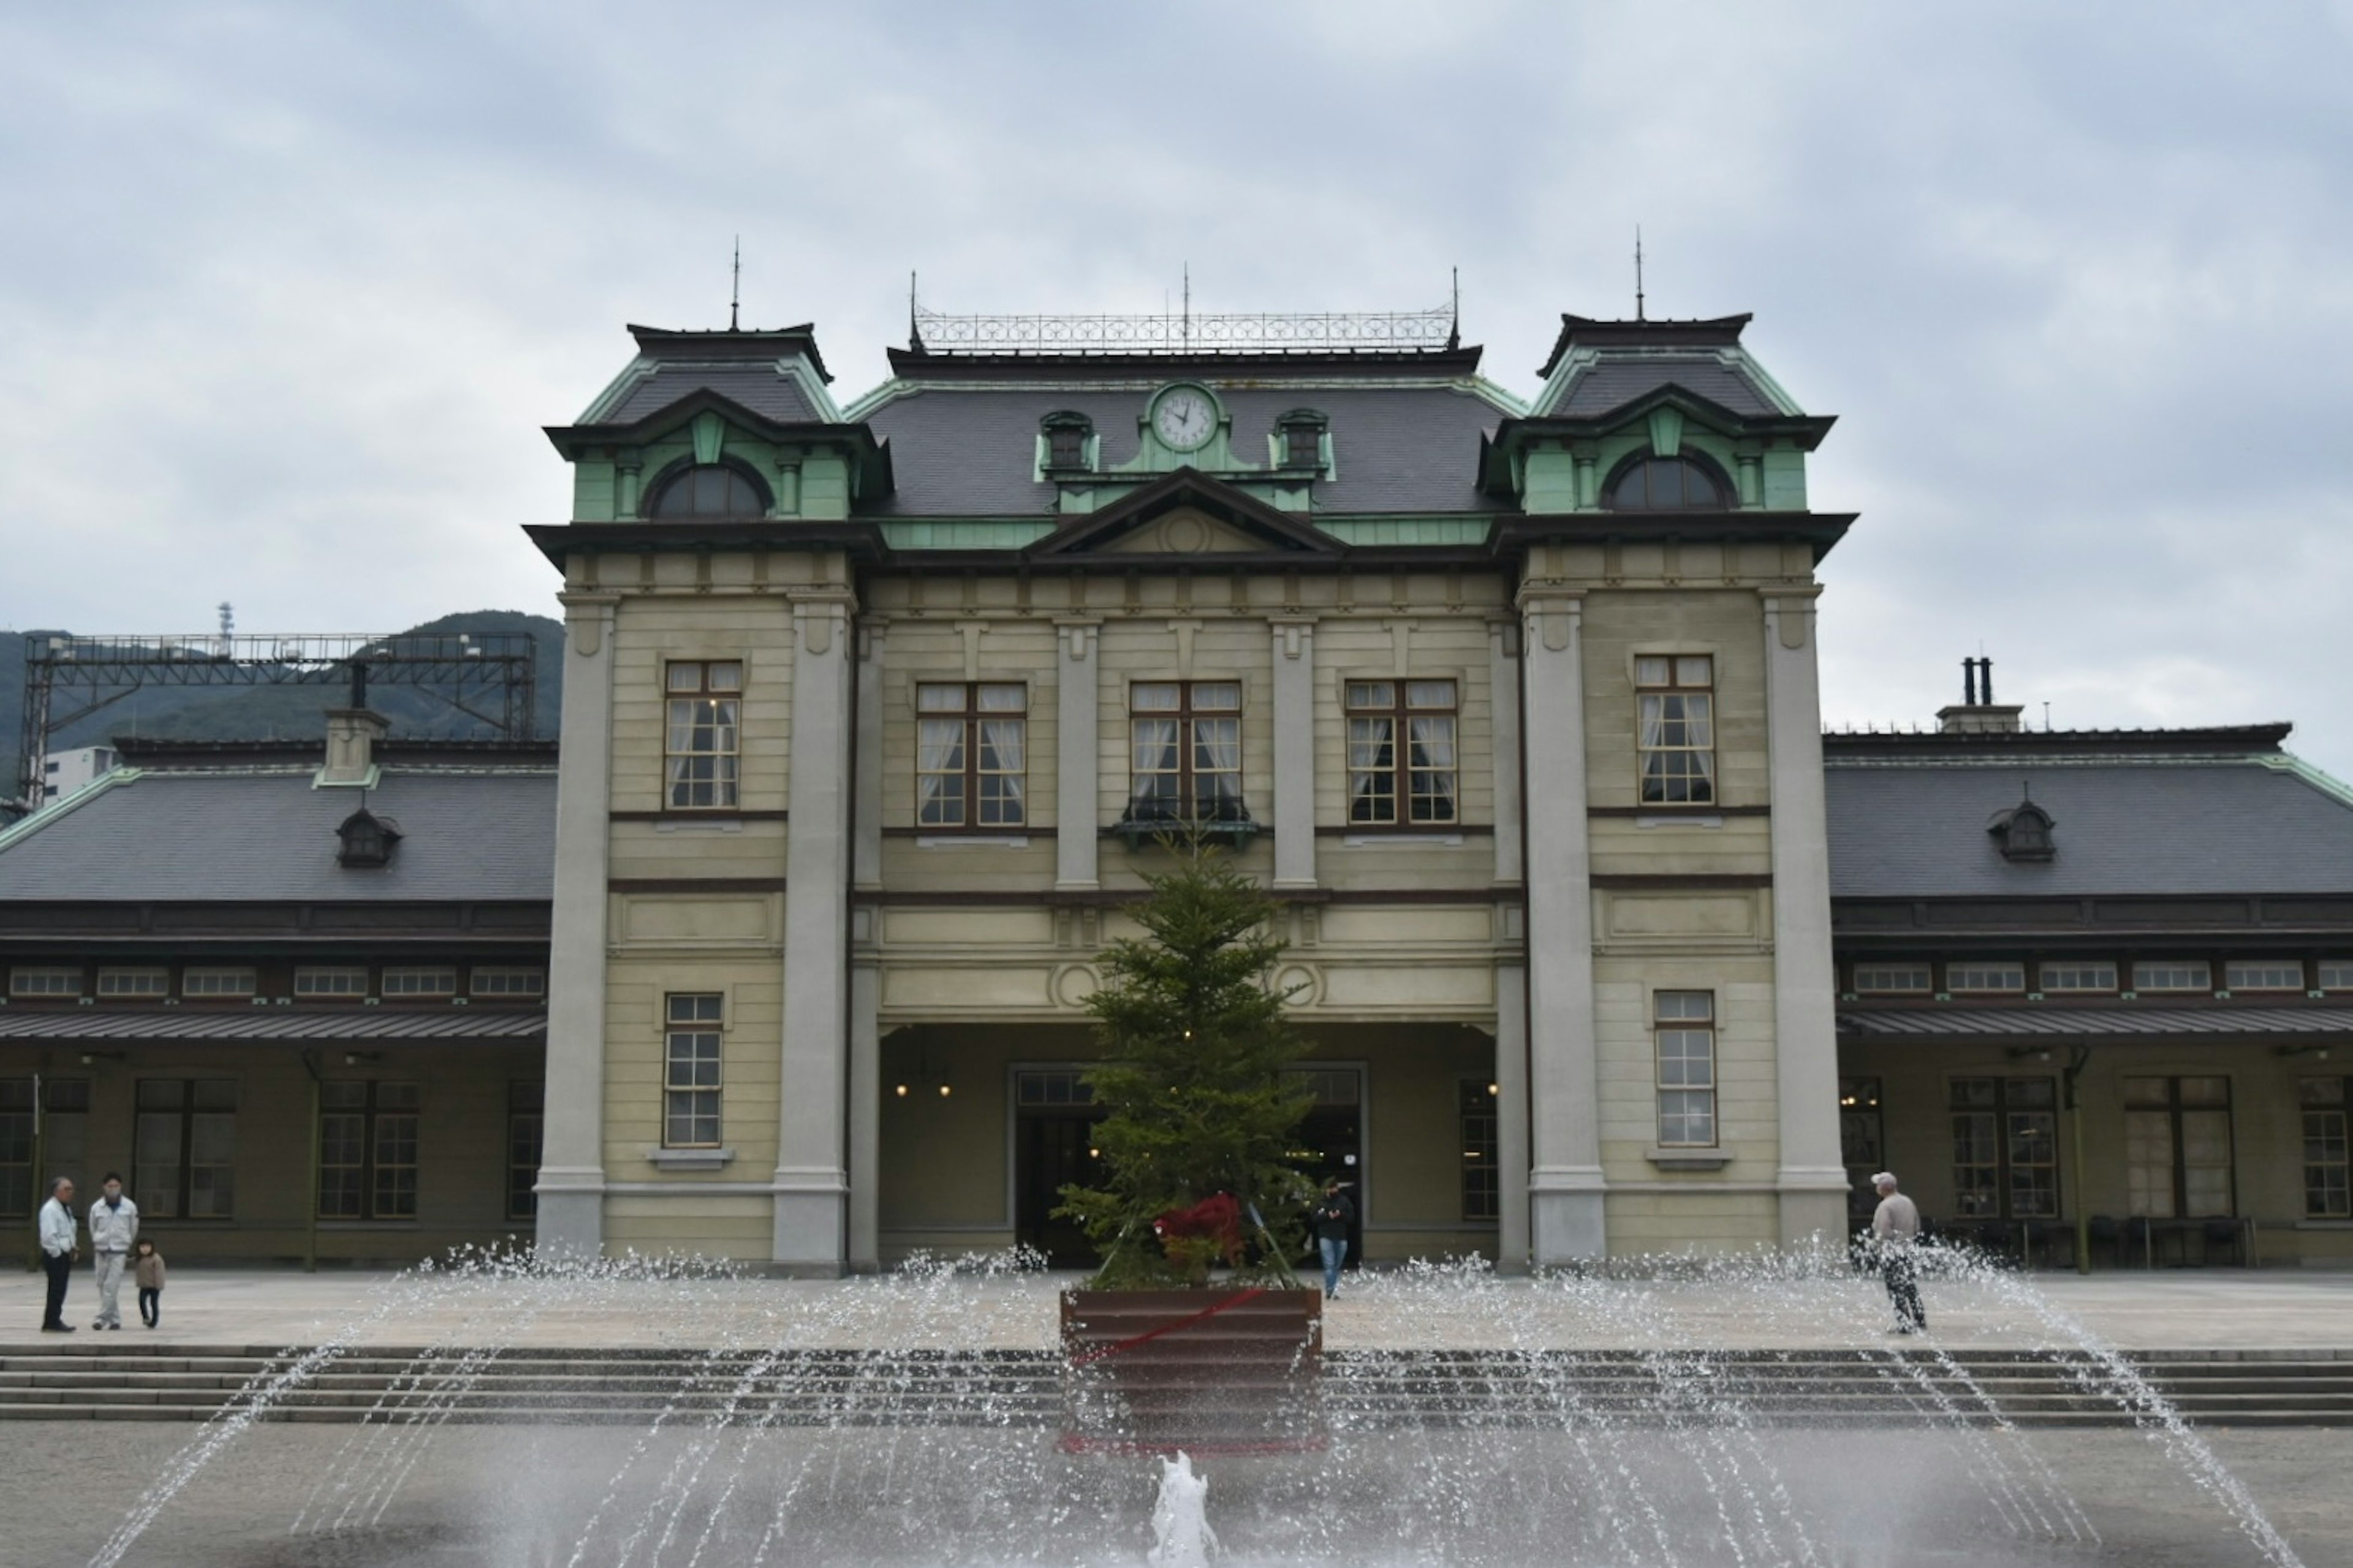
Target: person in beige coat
[147, 1273]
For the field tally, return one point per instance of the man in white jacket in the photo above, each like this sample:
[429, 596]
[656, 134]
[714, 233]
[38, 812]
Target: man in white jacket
[114, 1226]
[59, 1247]
[1895, 1227]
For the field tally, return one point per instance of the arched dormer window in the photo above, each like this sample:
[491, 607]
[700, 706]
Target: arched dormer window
[1067, 434]
[709, 489]
[2023, 833]
[1665, 484]
[1302, 432]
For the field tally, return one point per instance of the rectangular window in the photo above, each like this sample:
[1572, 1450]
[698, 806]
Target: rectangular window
[526, 1132]
[2326, 1194]
[1482, 1169]
[426, 982]
[2077, 974]
[509, 981]
[1187, 744]
[1423, 772]
[2263, 974]
[1984, 979]
[971, 755]
[367, 1150]
[2005, 1148]
[185, 1148]
[1066, 446]
[701, 738]
[2337, 974]
[134, 983]
[217, 982]
[1686, 1037]
[2174, 975]
[45, 983]
[1303, 445]
[691, 1073]
[1862, 1144]
[331, 981]
[1891, 979]
[1674, 704]
[2178, 1158]
[15, 1148]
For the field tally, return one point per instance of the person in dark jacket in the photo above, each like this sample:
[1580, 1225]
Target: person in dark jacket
[1332, 1218]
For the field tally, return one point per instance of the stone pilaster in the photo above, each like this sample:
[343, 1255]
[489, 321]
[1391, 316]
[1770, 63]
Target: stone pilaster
[571, 1186]
[1813, 1177]
[1566, 1206]
[1511, 1118]
[1077, 772]
[866, 813]
[865, 1113]
[811, 1180]
[1294, 752]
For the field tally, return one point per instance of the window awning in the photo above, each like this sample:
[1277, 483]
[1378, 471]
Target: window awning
[231, 1027]
[1980, 1022]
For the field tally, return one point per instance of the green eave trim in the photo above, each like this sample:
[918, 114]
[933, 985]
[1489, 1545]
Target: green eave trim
[853, 537]
[1471, 528]
[967, 533]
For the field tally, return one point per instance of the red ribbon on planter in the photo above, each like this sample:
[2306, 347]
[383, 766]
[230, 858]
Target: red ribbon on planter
[1100, 1352]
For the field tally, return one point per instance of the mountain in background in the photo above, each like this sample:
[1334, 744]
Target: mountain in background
[267, 712]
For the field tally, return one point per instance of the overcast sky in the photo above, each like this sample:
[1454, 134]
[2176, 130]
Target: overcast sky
[287, 291]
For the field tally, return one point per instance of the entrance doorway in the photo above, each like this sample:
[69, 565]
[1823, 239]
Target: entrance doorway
[1332, 1141]
[1054, 1115]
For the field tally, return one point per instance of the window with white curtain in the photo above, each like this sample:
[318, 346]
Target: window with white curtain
[1413, 782]
[1186, 752]
[1685, 1029]
[971, 755]
[1675, 706]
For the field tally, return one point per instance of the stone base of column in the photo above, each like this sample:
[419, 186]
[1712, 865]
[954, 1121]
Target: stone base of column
[1813, 1206]
[570, 1224]
[1567, 1222]
[812, 1229]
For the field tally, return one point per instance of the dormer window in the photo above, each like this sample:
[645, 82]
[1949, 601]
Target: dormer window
[367, 841]
[2023, 833]
[1067, 435]
[1302, 439]
[709, 489]
[1664, 484]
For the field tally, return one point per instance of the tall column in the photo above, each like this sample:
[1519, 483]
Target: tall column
[865, 972]
[571, 1186]
[1503, 700]
[1805, 1022]
[1078, 771]
[1294, 751]
[1511, 974]
[811, 1181]
[1565, 1182]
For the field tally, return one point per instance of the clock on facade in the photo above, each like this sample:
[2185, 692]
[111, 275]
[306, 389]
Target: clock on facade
[1184, 418]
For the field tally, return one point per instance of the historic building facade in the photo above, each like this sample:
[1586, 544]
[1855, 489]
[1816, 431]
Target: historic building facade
[874, 715]
[293, 991]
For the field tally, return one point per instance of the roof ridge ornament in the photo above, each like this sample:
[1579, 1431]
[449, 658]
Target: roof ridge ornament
[1435, 329]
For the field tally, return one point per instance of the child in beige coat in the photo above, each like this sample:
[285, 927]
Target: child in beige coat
[147, 1272]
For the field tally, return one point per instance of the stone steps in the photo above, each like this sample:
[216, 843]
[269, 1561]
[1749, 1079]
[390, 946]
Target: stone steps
[1360, 1391]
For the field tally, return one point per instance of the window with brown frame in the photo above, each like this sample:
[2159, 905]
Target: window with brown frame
[1862, 1144]
[2178, 1157]
[367, 1149]
[702, 741]
[1423, 772]
[971, 751]
[2005, 1148]
[1676, 704]
[1186, 738]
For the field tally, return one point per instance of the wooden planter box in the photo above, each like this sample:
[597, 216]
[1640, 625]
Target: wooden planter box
[1218, 1371]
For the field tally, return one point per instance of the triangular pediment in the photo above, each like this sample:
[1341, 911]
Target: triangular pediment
[1186, 514]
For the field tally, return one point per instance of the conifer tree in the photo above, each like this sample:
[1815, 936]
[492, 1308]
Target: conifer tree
[1194, 1040]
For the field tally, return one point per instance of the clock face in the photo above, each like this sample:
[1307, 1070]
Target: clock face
[1184, 418]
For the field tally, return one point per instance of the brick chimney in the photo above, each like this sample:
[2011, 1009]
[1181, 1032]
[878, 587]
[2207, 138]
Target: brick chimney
[1978, 713]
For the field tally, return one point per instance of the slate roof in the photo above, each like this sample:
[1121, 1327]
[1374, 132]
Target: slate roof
[761, 390]
[1982, 1021]
[1916, 827]
[1615, 382]
[969, 452]
[266, 834]
[231, 1024]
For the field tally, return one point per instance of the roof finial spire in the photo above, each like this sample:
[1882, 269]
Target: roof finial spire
[1454, 321]
[1638, 273]
[735, 288]
[1188, 325]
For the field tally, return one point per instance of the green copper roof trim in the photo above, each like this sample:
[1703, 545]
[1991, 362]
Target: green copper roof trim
[812, 390]
[966, 533]
[1441, 530]
[2325, 783]
[113, 778]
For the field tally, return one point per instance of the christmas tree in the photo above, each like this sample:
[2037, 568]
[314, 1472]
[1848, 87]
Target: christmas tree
[1195, 1144]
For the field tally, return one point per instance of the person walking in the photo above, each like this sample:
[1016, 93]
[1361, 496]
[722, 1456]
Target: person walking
[59, 1247]
[147, 1272]
[1332, 1218]
[1895, 1229]
[114, 1226]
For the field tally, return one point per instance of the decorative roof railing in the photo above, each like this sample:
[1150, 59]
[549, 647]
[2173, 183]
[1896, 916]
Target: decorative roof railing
[1187, 332]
